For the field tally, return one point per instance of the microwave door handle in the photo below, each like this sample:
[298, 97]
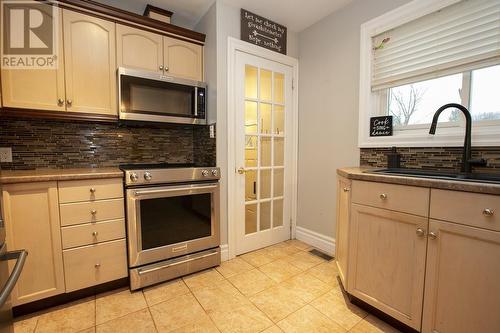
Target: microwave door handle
[196, 101]
[20, 256]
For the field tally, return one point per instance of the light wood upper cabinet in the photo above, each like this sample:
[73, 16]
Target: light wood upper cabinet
[40, 89]
[138, 49]
[90, 73]
[342, 234]
[462, 292]
[183, 59]
[387, 261]
[32, 223]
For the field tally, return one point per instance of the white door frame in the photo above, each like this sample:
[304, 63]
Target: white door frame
[234, 46]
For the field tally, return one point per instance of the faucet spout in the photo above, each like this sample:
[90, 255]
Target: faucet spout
[466, 158]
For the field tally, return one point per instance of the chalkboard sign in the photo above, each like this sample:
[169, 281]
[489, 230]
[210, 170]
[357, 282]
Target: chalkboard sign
[381, 126]
[260, 31]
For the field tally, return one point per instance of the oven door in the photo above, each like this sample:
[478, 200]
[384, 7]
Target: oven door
[170, 221]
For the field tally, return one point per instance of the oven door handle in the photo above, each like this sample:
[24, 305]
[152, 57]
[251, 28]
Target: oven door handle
[170, 190]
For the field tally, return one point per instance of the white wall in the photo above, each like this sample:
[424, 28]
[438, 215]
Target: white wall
[328, 108]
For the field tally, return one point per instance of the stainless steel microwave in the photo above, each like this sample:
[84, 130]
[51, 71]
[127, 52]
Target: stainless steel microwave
[152, 96]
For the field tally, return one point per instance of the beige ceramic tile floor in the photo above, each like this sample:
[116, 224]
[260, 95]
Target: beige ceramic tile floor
[282, 288]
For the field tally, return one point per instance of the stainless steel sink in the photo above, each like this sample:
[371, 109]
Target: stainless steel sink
[419, 173]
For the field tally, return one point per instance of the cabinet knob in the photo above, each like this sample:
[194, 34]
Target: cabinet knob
[166, 68]
[92, 190]
[69, 102]
[420, 232]
[60, 102]
[488, 212]
[383, 196]
[97, 265]
[433, 235]
[346, 189]
[93, 212]
[95, 233]
[161, 67]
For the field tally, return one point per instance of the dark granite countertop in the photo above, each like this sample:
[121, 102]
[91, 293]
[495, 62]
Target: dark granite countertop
[359, 173]
[41, 175]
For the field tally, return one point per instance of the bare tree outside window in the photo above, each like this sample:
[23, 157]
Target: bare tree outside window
[403, 105]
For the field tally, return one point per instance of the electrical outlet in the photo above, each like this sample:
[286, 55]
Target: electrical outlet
[212, 131]
[6, 155]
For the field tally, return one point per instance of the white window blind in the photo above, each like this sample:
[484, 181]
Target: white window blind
[457, 38]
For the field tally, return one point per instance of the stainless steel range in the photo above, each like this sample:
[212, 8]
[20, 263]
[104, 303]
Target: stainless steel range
[172, 221]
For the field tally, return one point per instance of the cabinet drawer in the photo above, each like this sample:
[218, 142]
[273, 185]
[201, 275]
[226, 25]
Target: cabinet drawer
[92, 233]
[401, 198]
[95, 264]
[474, 209]
[85, 212]
[88, 190]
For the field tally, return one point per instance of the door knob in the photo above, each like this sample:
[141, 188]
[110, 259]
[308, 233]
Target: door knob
[92, 190]
[488, 212]
[161, 67]
[95, 233]
[166, 68]
[346, 189]
[242, 170]
[93, 212]
[69, 102]
[60, 102]
[432, 235]
[420, 232]
[383, 196]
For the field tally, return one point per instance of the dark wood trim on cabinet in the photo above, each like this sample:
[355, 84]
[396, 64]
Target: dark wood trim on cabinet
[157, 10]
[56, 115]
[49, 302]
[123, 15]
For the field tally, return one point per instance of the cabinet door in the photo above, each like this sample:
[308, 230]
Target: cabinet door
[343, 213]
[462, 291]
[138, 49]
[183, 59]
[89, 53]
[32, 223]
[387, 261]
[38, 89]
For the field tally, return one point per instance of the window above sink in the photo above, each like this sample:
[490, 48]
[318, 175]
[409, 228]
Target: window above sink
[425, 54]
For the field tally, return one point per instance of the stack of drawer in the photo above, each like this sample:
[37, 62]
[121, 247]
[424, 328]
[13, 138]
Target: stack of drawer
[93, 232]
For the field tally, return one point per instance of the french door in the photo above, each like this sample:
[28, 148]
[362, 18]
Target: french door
[264, 147]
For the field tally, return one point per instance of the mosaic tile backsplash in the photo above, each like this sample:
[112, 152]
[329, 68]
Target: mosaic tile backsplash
[435, 158]
[62, 144]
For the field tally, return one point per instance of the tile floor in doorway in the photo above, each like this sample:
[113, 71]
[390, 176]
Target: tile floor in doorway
[282, 288]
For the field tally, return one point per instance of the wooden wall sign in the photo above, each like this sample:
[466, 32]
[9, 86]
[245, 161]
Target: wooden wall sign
[381, 126]
[260, 31]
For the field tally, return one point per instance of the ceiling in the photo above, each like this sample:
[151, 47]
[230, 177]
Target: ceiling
[294, 14]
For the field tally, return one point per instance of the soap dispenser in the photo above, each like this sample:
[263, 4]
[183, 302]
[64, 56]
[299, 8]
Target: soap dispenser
[394, 159]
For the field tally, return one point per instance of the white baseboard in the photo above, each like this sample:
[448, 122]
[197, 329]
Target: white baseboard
[317, 240]
[224, 252]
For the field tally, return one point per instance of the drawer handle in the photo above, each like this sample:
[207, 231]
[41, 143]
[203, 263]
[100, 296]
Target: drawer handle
[420, 232]
[93, 212]
[92, 190]
[433, 235]
[95, 233]
[488, 212]
[97, 265]
[346, 189]
[383, 196]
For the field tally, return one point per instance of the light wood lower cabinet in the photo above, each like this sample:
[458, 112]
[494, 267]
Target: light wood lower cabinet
[32, 223]
[342, 233]
[462, 288]
[387, 261]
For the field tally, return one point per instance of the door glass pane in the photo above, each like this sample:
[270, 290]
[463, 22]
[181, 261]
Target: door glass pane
[250, 219]
[265, 215]
[278, 179]
[250, 151]
[250, 117]
[250, 82]
[279, 88]
[279, 119]
[279, 151]
[277, 213]
[265, 148]
[266, 85]
[250, 185]
[265, 118]
[265, 184]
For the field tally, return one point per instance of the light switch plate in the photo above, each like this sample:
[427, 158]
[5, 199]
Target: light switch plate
[212, 131]
[5, 154]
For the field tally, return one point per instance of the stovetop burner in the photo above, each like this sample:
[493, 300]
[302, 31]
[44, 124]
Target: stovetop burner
[152, 166]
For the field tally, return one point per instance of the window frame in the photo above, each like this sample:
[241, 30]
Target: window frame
[485, 133]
